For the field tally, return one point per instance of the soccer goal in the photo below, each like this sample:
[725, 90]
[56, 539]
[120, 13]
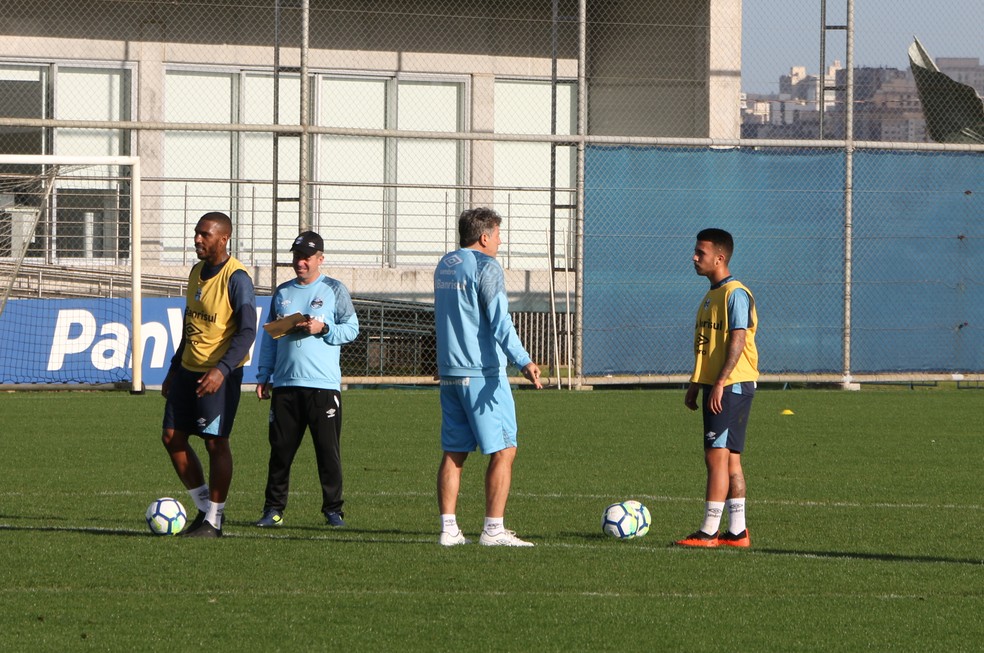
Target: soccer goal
[70, 296]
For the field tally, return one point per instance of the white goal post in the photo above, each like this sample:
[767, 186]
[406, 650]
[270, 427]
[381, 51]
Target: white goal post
[70, 226]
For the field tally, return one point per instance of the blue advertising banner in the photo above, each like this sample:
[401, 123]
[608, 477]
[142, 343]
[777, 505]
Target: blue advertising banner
[916, 288]
[87, 341]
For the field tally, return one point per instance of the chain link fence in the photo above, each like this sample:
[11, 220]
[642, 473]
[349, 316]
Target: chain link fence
[605, 133]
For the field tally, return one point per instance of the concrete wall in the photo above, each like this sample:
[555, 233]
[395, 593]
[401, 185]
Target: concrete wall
[664, 68]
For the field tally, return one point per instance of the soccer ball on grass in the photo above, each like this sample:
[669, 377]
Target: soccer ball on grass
[166, 516]
[643, 519]
[620, 521]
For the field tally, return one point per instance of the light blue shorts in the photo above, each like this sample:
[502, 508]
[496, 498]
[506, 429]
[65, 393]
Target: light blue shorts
[477, 412]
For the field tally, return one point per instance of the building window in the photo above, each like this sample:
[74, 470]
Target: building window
[523, 107]
[390, 201]
[381, 201]
[198, 165]
[23, 94]
[87, 216]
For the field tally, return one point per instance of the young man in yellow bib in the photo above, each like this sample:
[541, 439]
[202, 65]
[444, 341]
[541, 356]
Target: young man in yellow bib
[725, 373]
[204, 383]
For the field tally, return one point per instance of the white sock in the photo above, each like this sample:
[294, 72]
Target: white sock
[736, 515]
[712, 516]
[214, 514]
[200, 496]
[494, 525]
[449, 524]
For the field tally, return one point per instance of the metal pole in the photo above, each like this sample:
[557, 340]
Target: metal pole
[822, 86]
[567, 307]
[303, 209]
[551, 244]
[136, 309]
[274, 209]
[552, 232]
[848, 191]
[553, 326]
[579, 184]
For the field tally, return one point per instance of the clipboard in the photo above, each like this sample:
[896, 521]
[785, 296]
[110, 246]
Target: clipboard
[283, 326]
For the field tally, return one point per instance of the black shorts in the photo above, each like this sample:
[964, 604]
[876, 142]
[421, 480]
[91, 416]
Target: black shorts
[727, 428]
[208, 416]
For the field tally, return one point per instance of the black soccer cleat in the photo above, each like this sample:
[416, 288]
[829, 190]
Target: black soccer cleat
[335, 519]
[740, 540]
[205, 530]
[195, 524]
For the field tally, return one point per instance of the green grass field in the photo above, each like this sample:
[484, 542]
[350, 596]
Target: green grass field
[862, 506]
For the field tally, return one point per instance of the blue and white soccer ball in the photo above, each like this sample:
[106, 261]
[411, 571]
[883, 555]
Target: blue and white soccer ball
[166, 516]
[619, 520]
[643, 519]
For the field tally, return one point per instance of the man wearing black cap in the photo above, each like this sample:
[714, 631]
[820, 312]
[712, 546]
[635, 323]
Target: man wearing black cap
[302, 369]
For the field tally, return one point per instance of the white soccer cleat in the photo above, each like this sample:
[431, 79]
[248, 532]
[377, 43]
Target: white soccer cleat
[447, 539]
[505, 538]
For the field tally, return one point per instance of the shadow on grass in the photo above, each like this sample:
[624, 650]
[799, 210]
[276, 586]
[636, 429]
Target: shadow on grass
[348, 535]
[90, 530]
[881, 557]
[344, 535]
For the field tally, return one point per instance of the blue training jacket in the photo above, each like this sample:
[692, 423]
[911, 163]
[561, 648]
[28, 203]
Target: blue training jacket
[300, 359]
[475, 333]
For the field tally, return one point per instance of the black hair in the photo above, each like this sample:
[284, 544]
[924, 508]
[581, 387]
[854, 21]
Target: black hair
[720, 239]
[472, 223]
[219, 218]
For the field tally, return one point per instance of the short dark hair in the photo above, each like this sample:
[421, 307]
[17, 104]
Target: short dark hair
[219, 218]
[720, 239]
[472, 223]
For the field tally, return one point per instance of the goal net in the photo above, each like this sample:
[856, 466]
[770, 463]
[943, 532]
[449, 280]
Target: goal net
[69, 280]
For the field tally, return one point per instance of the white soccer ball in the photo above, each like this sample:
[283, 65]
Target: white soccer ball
[619, 521]
[166, 516]
[643, 519]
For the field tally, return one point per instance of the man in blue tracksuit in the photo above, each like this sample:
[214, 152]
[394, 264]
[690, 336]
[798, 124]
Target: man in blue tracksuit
[475, 337]
[302, 367]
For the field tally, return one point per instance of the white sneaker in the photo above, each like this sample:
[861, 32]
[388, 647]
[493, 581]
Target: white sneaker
[505, 538]
[447, 539]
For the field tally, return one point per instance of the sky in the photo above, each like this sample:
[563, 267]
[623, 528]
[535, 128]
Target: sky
[779, 34]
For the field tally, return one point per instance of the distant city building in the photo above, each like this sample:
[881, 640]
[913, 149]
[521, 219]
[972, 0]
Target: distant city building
[966, 70]
[795, 112]
[886, 103]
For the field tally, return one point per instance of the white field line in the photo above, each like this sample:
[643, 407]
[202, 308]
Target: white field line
[335, 591]
[654, 498]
